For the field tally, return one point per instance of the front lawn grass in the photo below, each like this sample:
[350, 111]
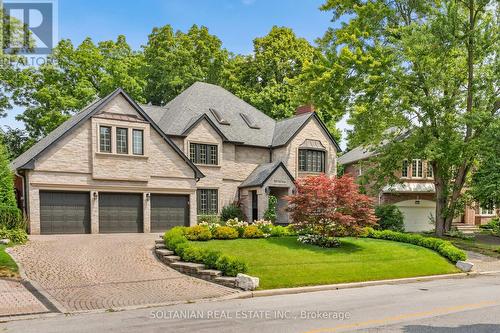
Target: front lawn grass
[284, 262]
[8, 267]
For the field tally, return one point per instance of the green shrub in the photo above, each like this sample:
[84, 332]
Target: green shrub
[238, 225]
[17, 235]
[279, 231]
[210, 258]
[225, 233]
[231, 211]
[390, 218]
[494, 226]
[230, 266]
[252, 231]
[198, 233]
[443, 247]
[193, 254]
[291, 230]
[208, 219]
[174, 236]
[11, 217]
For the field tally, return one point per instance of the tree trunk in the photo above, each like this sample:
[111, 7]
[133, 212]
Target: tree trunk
[439, 185]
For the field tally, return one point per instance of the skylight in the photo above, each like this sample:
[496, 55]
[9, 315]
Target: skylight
[219, 117]
[249, 120]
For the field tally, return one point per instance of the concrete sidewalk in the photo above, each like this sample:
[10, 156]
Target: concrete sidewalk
[16, 299]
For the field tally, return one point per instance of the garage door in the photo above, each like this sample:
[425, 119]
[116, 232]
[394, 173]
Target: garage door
[418, 217]
[168, 211]
[120, 212]
[64, 212]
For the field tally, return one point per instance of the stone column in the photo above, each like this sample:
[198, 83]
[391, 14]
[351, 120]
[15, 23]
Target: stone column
[262, 203]
[34, 211]
[94, 212]
[193, 209]
[146, 213]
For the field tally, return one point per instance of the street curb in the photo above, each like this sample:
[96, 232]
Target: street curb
[340, 286]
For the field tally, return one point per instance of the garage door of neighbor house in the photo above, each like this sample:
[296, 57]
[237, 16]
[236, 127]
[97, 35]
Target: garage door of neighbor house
[168, 211]
[418, 217]
[64, 212]
[120, 212]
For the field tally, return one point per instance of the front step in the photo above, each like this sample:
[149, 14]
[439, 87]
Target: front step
[466, 228]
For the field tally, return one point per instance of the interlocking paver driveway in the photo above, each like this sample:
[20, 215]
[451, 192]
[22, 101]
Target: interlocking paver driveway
[86, 272]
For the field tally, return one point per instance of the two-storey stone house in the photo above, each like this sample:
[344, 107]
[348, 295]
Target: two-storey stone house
[118, 166]
[414, 194]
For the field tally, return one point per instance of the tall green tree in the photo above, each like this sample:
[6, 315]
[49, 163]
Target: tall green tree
[7, 194]
[485, 182]
[175, 60]
[265, 78]
[15, 140]
[428, 70]
[72, 77]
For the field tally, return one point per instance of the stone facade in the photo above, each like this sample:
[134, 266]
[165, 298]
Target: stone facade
[75, 163]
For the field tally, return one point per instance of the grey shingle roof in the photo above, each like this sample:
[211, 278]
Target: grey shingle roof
[45, 142]
[356, 154]
[262, 173]
[198, 99]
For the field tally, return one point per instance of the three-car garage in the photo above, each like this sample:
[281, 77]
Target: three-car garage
[69, 212]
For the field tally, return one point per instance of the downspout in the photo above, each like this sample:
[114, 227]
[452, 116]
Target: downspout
[23, 194]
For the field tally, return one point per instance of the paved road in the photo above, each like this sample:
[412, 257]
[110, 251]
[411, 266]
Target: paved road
[453, 305]
[88, 272]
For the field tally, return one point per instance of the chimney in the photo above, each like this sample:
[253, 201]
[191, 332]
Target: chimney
[308, 108]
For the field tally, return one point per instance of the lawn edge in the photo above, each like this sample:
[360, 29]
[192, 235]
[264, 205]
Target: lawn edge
[340, 286]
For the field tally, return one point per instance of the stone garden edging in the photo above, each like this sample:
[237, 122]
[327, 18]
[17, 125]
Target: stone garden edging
[168, 257]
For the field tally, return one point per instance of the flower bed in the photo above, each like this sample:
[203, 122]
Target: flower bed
[443, 247]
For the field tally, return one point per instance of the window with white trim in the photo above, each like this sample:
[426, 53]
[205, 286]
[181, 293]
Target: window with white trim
[137, 142]
[311, 160]
[416, 168]
[487, 211]
[105, 139]
[201, 153]
[207, 201]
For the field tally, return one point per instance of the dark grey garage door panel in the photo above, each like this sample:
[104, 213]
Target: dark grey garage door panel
[120, 212]
[168, 211]
[64, 212]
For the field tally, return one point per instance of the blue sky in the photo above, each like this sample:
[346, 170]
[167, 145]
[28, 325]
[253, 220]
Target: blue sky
[235, 22]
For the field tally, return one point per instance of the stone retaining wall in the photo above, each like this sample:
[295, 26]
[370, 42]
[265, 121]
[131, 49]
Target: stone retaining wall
[199, 270]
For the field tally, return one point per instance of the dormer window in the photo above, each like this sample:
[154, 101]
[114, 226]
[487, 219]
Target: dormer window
[221, 120]
[249, 121]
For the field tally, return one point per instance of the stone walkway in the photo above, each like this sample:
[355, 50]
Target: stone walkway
[483, 263]
[88, 272]
[16, 300]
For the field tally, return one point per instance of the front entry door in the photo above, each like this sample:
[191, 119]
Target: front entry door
[255, 206]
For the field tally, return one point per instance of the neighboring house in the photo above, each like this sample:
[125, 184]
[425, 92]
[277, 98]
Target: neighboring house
[414, 195]
[117, 166]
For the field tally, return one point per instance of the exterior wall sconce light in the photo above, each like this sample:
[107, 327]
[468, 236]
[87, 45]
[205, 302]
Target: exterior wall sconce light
[148, 196]
[267, 190]
[95, 195]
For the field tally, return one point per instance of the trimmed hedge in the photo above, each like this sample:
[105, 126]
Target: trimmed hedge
[443, 247]
[176, 240]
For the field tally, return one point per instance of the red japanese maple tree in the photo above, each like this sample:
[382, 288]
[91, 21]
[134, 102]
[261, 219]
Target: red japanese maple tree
[330, 207]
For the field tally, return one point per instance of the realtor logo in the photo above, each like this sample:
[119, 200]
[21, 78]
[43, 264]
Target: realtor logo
[29, 27]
